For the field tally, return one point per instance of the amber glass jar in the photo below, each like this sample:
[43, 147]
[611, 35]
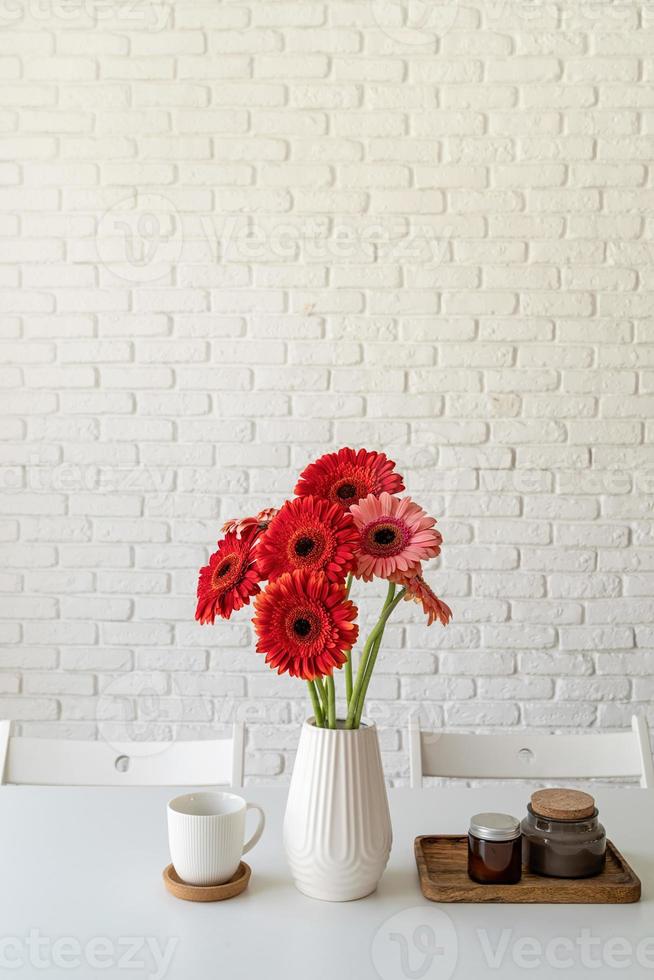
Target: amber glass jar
[494, 849]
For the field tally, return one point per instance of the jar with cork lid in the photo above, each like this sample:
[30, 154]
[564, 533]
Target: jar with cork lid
[562, 836]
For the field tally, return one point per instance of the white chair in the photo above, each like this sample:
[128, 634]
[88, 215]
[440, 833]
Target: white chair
[68, 762]
[532, 756]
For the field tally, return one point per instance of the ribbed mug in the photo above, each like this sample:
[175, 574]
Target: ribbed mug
[206, 833]
[337, 826]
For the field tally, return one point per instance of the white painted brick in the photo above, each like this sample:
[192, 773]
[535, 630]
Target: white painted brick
[528, 431]
[58, 683]
[609, 432]
[10, 683]
[518, 636]
[438, 688]
[595, 688]
[584, 586]
[596, 637]
[28, 708]
[555, 663]
[476, 663]
[448, 258]
[559, 715]
[519, 585]
[626, 610]
[510, 688]
[471, 714]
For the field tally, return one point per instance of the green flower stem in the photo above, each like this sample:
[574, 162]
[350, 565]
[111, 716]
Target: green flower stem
[348, 678]
[379, 625]
[315, 701]
[372, 658]
[351, 708]
[323, 695]
[331, 701]
[358, 707]
[348, 662]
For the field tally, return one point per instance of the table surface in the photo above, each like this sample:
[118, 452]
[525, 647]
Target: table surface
[81, 895]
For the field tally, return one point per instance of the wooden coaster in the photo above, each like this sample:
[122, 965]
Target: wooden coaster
[207, 893]
[562, 804]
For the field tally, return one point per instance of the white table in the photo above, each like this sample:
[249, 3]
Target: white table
[84, 866]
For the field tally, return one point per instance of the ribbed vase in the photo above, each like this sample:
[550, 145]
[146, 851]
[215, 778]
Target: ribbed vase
[337, 827]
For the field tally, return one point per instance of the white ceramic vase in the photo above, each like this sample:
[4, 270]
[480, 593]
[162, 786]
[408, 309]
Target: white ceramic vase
[337, 827]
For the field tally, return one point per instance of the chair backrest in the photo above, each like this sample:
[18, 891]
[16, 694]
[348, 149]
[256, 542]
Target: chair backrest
[532, 756]
[68, 762]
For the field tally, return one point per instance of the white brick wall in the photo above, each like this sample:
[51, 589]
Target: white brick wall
[236, 235]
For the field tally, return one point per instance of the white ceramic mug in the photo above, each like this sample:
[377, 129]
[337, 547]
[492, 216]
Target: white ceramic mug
[206, 833]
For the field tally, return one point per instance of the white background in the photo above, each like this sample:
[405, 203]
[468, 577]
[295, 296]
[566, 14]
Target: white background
[449, 259]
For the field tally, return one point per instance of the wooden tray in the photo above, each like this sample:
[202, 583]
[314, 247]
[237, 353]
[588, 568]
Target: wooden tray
[443, 870]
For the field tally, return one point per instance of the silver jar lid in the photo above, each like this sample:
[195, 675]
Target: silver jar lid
[494, 826]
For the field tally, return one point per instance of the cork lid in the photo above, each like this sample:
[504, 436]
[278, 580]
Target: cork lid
[562, 804]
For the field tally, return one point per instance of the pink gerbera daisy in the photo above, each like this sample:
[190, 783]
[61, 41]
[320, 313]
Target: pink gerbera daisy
[395, 536]
[418, 591]
[241, 525]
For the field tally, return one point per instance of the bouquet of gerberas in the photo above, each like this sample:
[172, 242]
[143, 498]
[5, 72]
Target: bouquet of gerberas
[345, 522]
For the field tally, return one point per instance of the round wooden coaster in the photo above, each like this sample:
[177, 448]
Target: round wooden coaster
[207, 893]
[562, 804]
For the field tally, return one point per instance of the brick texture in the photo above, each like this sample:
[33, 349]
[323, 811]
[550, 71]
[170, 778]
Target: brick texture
[234, 236]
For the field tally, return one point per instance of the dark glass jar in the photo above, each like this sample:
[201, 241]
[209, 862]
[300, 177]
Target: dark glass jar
[494, 849]
[563, 846]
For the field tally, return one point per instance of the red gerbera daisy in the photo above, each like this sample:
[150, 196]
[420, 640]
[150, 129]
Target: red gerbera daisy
[304, 624]
[396, 534]
[308, 533]
[243, 524]
[418, 591]
[229, 580]
[347, 476]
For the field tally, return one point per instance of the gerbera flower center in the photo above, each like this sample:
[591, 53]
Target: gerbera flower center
[346, 491]
[302, 626]
[309, 546]
[225, 572]
[387, 537]
[304, 546]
